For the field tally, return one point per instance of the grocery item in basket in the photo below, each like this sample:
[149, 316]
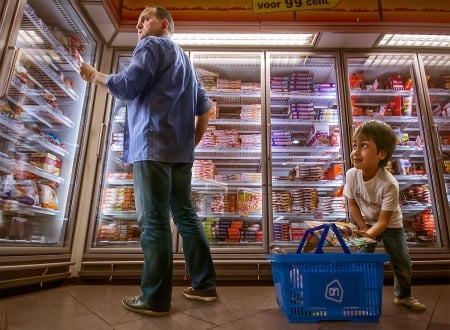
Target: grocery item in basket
[346, 229]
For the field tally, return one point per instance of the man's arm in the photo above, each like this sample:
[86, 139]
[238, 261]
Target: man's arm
[201, 124]
[89, 74]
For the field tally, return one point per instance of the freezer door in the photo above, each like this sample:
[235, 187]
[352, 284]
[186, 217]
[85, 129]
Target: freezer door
[113, 224]
[437, 76]
[229, 168]
[385, 86]
[305, 145]
[42, 120]
[113, 227]
[10, 12]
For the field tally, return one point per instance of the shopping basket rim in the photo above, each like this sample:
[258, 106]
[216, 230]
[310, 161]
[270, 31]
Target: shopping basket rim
[328, 257]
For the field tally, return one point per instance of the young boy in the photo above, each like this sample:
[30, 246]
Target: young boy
[372, 194]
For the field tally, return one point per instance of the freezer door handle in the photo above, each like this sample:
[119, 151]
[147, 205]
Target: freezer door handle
[100, 140]
[9, 61]
[436, 132]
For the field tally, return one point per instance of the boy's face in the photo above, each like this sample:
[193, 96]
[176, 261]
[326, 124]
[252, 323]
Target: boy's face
[365, 155]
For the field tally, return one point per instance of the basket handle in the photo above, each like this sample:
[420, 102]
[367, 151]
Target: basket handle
[326, 227]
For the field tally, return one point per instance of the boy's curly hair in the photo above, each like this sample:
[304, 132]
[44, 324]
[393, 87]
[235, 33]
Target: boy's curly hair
[382, 134]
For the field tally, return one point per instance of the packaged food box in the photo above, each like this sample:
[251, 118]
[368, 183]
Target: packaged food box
[48, 197]
[249, 201]
[46, 161]
[297, 230]
[26, 192]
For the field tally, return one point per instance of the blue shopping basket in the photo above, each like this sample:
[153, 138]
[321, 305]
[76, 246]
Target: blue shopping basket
[312, 287]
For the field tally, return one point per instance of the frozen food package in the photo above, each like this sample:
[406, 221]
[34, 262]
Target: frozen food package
[249, 201]
[47, 197]
[27, 192]
[7, 187]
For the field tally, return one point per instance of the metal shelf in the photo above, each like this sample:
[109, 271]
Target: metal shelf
[14, 207]
[39, 109]
[58, 52]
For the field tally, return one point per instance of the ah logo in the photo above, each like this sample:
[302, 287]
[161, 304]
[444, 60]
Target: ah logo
[334, 291]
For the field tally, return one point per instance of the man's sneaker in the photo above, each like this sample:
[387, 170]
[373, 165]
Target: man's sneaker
[204, 295]
[137, 305]
[410, 302]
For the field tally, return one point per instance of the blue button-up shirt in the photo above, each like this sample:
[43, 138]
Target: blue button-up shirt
[163, 97]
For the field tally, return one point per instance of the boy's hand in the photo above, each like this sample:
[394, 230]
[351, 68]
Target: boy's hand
[87, 72]
[362, 233]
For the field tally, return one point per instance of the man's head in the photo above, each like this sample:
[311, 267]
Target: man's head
[154, 21]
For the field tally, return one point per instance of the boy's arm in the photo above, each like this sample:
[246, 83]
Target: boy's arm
[380, 225]
[355, 214]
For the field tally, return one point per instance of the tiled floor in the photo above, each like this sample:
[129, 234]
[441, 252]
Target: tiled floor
[98, 307]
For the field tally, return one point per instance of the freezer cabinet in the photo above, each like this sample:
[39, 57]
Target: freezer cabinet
[386, 86]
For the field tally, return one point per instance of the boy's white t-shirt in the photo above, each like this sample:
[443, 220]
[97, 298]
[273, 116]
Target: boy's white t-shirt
[379, 193]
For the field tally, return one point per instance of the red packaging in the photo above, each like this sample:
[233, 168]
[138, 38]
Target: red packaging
[46, 161]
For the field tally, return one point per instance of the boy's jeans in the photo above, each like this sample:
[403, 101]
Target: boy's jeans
[394, 241]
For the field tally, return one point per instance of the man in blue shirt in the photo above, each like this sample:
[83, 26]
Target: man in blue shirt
[167, 115]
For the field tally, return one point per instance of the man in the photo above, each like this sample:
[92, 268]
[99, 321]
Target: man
[167, 115]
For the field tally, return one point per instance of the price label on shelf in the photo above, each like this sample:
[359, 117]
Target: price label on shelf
[268, 6]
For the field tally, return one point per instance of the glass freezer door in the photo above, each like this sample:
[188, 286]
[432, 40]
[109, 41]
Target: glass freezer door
[41, 126]
[305, 138]
[437, 70]
[115, 222]
[382, 87]
[115, 227]
[228, 171]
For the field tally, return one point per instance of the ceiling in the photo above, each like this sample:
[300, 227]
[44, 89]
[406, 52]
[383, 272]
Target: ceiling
[117, 29]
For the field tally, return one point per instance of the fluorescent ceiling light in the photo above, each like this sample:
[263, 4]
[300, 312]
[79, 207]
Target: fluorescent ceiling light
[388, 60]
[242, 39]
[436, 60]
[415, 40]
[401, 60]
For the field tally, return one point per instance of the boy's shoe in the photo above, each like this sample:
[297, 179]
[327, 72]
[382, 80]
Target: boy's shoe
[137, 305]
[410, 302]
[204, 295]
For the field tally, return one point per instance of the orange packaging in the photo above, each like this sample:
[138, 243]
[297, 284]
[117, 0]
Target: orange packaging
[334, 172]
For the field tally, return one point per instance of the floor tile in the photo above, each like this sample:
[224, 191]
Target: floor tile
[98, 307]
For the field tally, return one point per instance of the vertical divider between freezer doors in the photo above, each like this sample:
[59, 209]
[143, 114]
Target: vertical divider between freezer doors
[101, 138]
[11, 56]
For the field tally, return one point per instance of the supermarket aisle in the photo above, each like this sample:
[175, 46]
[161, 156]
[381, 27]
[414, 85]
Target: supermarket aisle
[98, 307]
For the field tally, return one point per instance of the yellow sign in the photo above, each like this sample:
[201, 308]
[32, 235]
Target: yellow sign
[269, 6]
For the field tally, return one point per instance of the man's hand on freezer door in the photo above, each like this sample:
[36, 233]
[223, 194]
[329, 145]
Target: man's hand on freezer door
[87, 72]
